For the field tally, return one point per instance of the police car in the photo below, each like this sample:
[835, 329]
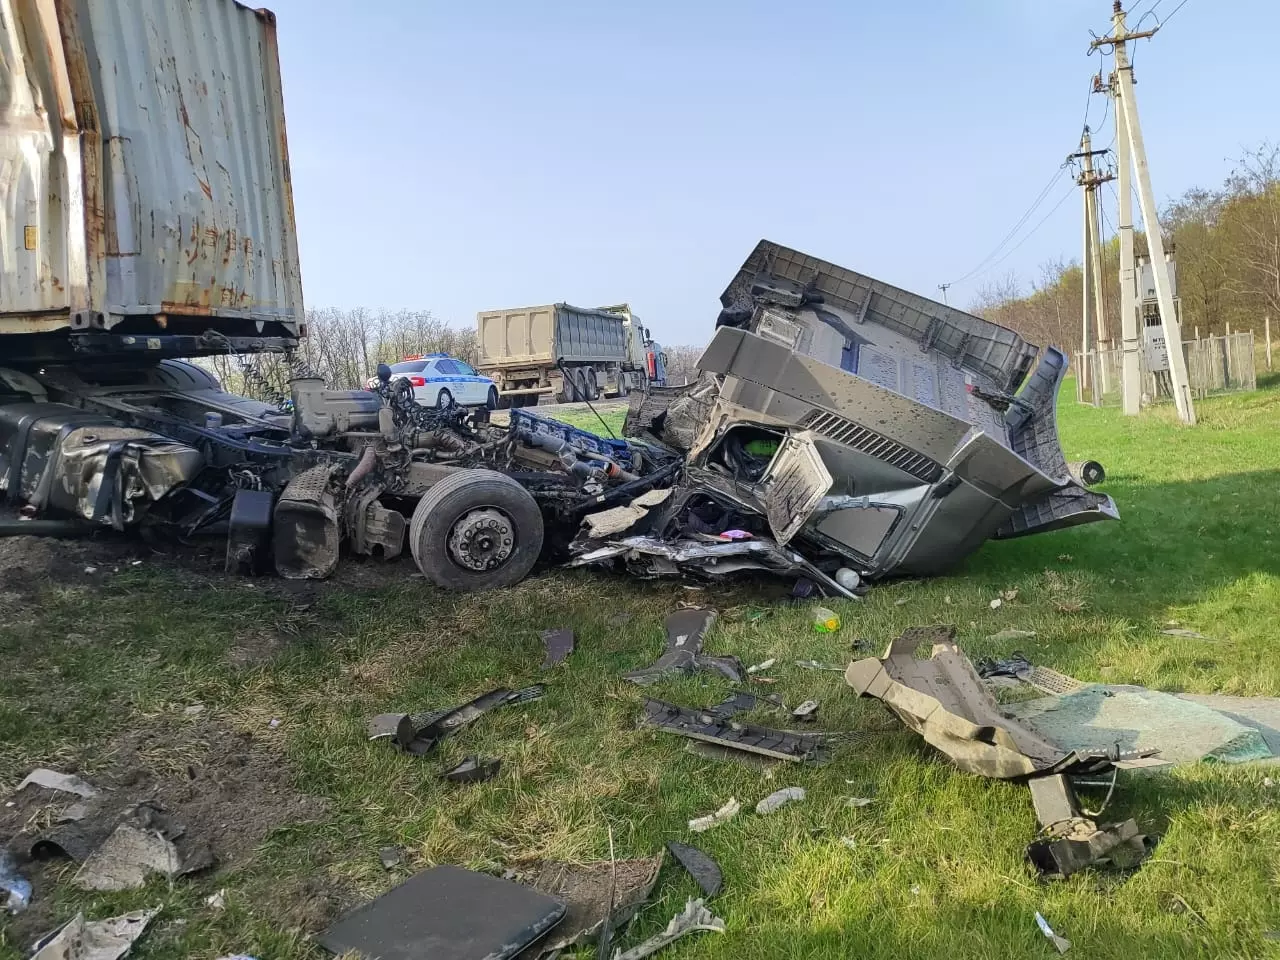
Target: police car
[440, 380]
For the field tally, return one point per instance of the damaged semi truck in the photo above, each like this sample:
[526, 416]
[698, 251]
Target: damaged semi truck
[148, 223]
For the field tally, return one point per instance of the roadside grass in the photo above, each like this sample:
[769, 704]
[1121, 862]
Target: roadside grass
[933, 868]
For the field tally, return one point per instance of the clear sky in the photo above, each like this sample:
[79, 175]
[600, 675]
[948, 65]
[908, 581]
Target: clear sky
[491, 153]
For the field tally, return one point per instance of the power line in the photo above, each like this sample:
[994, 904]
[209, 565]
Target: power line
[1027, 236]
[1057, 175]
[1171, 15]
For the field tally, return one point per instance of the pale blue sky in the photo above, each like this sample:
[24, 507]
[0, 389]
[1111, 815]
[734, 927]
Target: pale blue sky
[472, 155]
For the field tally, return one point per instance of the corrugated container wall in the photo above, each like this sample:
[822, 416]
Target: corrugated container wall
[144, 167]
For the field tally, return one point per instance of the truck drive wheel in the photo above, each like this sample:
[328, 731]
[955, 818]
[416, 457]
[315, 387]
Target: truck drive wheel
[476, 530]
[591, 388]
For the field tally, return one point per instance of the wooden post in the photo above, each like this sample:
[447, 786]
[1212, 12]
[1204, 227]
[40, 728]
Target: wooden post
[1266, 325]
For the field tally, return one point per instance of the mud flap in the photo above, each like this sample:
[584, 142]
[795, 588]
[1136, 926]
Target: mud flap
[307, 531]
[796, 481]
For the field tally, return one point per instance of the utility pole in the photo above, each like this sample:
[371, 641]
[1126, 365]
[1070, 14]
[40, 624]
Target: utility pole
[943, 287]
[1091, 265]
[1127, 107]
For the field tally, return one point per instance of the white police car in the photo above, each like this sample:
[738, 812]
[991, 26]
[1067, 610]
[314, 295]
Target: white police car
[440, 380]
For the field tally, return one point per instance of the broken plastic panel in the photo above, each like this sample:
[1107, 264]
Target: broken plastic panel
[686, 630]
[699, 725]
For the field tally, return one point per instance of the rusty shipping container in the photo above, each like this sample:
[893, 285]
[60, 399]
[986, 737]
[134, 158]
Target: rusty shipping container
[144, 170]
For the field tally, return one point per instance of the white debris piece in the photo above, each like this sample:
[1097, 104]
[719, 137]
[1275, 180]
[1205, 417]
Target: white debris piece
[695, 916]
[996, 603]
[859, 801]
[107, 939]
[1012, 634]
[759, 667]
[727, 812]
[1061, 943]
[779, 798]
[53, 780]
[126, 859]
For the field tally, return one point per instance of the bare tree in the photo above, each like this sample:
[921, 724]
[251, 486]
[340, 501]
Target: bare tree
[682, 363]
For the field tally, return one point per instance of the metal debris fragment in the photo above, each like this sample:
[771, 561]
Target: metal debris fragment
[807, 712]
[763, 666]
[698, 725]
[779, 799]
[421, 733]
[559, 644]
[127, 858]
[686, 631]
[53, 780]
[817, 665]
[473, 769]
[706, 872]
[695, 916]
[725, 813]
[391, 857]
[107, 939]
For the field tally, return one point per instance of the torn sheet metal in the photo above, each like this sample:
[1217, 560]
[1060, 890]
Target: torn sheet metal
[694, 917]
[64, 782]
[650, 557]
[944, 701]
[585, 891]
[686, 631]
[559, 643]
[699, 725]
[107, 939]
[706, 872]
[420, 733]
[127, 858]
[618, 520]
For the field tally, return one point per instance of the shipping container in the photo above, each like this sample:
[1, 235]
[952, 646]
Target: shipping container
[144, 172]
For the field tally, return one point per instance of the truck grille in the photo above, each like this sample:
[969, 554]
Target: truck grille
[873, 444]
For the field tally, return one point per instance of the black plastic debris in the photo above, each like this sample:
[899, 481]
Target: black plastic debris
[391, 857]
[559, 644]
[732, 705]
[807, 712]
[420, 733]
[699, 725]
[1016, 666]
[446, 913]
[686, 630]
[473, 770]
[705, 871]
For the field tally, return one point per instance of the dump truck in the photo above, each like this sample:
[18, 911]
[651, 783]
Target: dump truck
[146, 223]
[566, 353]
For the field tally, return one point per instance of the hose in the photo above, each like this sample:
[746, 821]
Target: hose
[368, 460]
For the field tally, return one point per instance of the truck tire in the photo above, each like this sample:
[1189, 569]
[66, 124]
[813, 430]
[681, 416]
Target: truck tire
[591, 386]
[476, 530]
[492, 401]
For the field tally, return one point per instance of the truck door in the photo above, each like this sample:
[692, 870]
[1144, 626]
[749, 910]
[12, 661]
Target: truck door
[796, 481]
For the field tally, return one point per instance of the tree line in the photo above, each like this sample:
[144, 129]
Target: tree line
[1226, 244]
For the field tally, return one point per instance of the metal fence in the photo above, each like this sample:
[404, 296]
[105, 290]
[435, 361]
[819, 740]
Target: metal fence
[1214, 365]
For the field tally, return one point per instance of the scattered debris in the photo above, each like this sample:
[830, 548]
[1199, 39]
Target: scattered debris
[126, 859]
[447, 913]
[391, 857]
[216, 901]
[107, 939]
[816, 665]
[807, 712]
[695, 916]
[686, 630]
[421, 733]
[14, 884]
[1009, 595]
[849, 843]
[53, 780]
[734, 704]
[763, 666]
[825, 620]
[1011, 634]
[1061, 944]
[559, 644]
[944, 701]
[996, 603]
[779, 799]
[705, 871]
[1181, 632]
[698, 725]
[473, 769]
[902, 601]
[727, 812]
[587, 892]
[859, 801]
[1016, 666]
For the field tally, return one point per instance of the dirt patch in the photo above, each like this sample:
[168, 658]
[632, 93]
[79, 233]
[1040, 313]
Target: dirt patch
[228, 791]
[28, 564]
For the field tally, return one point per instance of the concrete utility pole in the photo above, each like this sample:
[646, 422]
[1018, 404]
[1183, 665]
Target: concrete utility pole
[943, 287]
[1091, 265]
[1127, 107]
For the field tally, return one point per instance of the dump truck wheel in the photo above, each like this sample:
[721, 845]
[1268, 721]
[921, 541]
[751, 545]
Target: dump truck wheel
[591, 388]
[476, 530]
[492, 400]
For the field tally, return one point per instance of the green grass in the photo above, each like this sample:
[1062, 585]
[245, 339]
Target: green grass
[936, 866]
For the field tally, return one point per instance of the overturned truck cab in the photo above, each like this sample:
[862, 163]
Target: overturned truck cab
[868, 427]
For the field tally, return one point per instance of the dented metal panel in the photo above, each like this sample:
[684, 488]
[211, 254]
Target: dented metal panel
[143, 165]
[796, 480]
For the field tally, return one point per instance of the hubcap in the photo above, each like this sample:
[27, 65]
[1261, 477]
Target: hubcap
[482, 540]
